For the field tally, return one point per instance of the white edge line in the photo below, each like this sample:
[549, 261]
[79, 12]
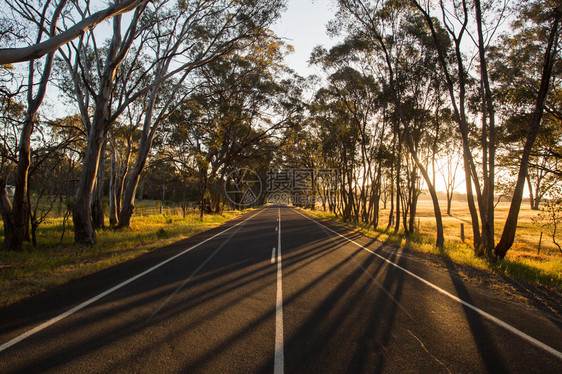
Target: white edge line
[182, 285]
[371, 276]
[81, 306]
[484, 314]
[278, 361]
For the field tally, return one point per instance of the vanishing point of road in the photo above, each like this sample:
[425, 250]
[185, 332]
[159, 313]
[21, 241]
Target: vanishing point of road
[276, 291]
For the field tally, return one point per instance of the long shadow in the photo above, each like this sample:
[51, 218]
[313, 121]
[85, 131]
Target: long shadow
[50, 303]
[241, 333]
[321, 332]
[376, 324]
[483, 339]
[323, 326]
[124, 330]
[294, 261]
[224, 345]
[538, 302]
[118, 332]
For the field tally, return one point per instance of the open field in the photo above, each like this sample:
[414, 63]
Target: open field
[523, 261]
[53, 262]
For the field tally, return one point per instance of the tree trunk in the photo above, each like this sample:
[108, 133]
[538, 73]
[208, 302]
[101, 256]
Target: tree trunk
[398, 189]
[449, 201]
[391, 212]
[98, 219]
[124, 169]
[531, 194]
[113, 191]
[128, 202]
[7, 216]
[17, 232]
[510, 227]
[489, 146]
[84, 232]
[413, 201]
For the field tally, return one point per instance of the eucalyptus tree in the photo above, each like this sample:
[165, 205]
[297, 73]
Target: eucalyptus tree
[51, 33]
[517, 64]
[353, 81]
[94, 96]
[167, 41]
[46, 16]
[448, 41]
[450, 157]
[470, 20]
[42, 23]
[241, 111]
[359, 94]
[196, 34]
[340, 141]
[378, 23]
[543, 19]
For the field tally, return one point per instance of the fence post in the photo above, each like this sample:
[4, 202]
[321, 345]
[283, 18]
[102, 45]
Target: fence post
[540, 241]
[462, 232]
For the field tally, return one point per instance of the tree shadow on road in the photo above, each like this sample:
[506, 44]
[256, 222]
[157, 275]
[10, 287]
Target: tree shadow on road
[483, 340]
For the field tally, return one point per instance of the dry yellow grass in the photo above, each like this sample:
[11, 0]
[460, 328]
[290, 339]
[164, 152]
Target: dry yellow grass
[33, 270]
[526, 240]
[523, 260]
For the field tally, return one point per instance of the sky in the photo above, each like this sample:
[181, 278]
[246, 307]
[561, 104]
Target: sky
[303, 25]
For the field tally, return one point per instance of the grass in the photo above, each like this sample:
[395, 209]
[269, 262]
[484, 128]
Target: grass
[522, 262]
[33, 270]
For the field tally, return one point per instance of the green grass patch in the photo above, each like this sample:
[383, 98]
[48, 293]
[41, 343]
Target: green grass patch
[33, 270]
[545, 270]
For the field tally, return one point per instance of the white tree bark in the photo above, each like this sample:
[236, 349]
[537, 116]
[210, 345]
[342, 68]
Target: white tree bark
[13, 55]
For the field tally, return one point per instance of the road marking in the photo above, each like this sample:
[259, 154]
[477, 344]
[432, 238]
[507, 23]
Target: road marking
[484, 314]
[371, 276]
[278, 364]
[182, 285]
[81, 306]
[273, 255]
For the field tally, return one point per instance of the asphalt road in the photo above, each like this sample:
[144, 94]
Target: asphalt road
[276, 291]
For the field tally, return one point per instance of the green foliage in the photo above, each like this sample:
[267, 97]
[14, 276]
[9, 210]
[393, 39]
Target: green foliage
[161, 233]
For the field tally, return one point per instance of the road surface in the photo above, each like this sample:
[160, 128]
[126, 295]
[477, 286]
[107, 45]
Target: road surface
[276, 291]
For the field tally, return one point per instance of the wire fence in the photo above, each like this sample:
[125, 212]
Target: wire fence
[58, 209]
[169, 209]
